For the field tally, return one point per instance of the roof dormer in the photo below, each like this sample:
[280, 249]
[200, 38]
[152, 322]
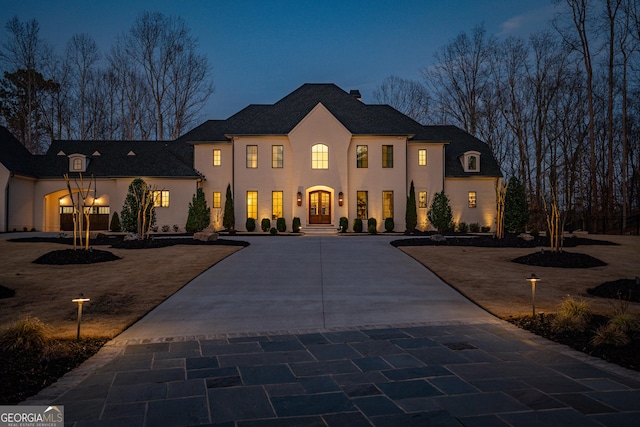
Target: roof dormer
[471, 161]
[77, 162]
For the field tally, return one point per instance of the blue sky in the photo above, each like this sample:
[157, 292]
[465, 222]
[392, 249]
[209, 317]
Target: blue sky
[262, 50]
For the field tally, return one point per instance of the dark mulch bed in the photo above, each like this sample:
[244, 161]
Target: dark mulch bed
[488, 241]
[559, 259]
[79, 256]
[623, 289]
[27, 373]
[120, 243]
[6, 292]
[627, 356]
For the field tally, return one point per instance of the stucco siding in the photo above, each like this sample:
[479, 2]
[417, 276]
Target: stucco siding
[457, 189]
[21, 192]
[426, 178]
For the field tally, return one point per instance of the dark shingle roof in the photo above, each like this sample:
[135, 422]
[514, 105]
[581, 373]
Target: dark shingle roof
[152, 159]
[13, 155]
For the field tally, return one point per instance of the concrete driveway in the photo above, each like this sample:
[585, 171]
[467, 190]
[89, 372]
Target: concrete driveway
[308, 282]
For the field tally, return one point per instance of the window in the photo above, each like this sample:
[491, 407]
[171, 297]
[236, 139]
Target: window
[104, 210]
[252, 204]
[216, 200]
[217, 157]
[422, 199]
[362, 202]
[387, 156]
[252, 156]
[472, 163]
[422, 157]
[472, 199]
[276, 204]
[319, 157]
[161, 199]
[362, 156]
[277, 156]
[66, 209]
[387, 204]
[77, 164]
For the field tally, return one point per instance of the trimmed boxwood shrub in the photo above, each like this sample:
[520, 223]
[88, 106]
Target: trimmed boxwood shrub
[372, 222]
[485, 229]
[357, 225]
[372, 229]
[463, 227]
[344, 224]
[251, 224]
[273, 231]
[281, 225]
[295, 225]
[115, 222]
[474, 227]
[389, 225]
[265, 224]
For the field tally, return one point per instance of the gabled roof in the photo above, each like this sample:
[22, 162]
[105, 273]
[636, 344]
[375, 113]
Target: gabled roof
[151, 159]
[13, 155]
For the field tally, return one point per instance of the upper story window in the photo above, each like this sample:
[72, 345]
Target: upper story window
[77, 163]
[217, 157]
[161, 199]
[387, 156]
[319, 157]
[277, 156]
[471, 161]
[252, 156]
[362, 156]
[422, 157]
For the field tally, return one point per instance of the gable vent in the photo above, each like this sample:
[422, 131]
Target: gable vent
[96, 153]
[61, 153]
[131, 153]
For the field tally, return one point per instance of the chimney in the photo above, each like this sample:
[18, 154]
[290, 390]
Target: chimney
[356, 94]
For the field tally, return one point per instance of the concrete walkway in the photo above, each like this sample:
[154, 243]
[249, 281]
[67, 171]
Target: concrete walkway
[335, 331]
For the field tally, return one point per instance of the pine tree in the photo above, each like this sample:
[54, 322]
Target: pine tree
[115, 222]
[229, 218]
[516, 208]
[199, 216]
[439, 214]
[411, 215]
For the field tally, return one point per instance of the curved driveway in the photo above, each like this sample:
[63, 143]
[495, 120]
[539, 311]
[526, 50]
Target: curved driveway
[309, 282]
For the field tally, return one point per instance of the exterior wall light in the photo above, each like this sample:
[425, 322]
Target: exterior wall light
[533, 279]
[340, 198]
[80, 300]
[299, 198]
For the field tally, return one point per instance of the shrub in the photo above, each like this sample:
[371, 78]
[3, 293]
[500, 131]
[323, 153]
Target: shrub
[165, 228]
[176, 228]
[372, 229]
[344, 224]
[463, 227]
[295, 225]
[265, 224]
[251, 224]
[357, 225]
[389, 225]
[281, 225]
[485, 228]
[115, 222]
[273, 231]
[535, 232]
[474, 227]
[154, 228]
[440, 215]
[199, 216]
[516, 208]
[24, 335]
[572, 315]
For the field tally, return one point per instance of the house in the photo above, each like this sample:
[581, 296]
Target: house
[318, 154]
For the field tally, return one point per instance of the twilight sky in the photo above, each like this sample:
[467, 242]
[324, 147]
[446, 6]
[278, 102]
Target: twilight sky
[260, 50]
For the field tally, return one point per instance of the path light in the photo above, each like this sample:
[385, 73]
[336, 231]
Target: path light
[533, 279]
[80, 300]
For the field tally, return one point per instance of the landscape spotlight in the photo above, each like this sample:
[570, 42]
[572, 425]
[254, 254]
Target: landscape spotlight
[80, 300]
[533, 279]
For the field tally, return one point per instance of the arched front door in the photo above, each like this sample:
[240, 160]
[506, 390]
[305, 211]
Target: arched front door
[319, 207]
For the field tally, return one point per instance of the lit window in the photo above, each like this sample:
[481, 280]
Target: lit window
[387, 204]
[319, 157]
[277, 156]
[276, 204]
[387, 156]
[104, 210]
[422, 199]
[77, 164]
[252, 156]
[252, 204]
[472, 199]
[217, 157]
[422, 157]
[161, 199]
[216, 200]
[363, 200]
[362, 155]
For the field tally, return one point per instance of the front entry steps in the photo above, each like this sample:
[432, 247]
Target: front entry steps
[319, 230]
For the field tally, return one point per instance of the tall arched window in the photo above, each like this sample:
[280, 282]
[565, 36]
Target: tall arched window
[319, 157]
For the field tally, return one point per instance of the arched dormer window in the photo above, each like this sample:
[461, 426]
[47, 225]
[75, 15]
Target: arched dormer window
[319, 156]
[471, 161]
[77, 163]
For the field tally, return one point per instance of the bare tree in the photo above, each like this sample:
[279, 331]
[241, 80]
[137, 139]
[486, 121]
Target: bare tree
[407, 96]
[83, 56]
